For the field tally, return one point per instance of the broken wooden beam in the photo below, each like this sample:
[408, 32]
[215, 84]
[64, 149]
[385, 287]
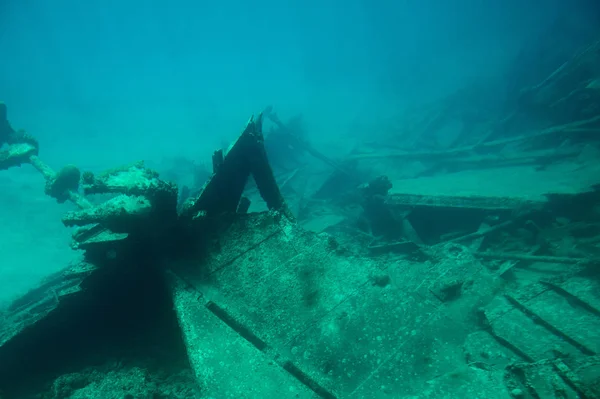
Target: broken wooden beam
[223, 192]
[482, 232]
[440, 154]
[536, 258]
[458, 201]
[303, 144]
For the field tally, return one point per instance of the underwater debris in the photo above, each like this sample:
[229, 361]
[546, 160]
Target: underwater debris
[124, 237]
[287, 142]
[23, 148]
[223, 192]
[140, 199]
[17, 152]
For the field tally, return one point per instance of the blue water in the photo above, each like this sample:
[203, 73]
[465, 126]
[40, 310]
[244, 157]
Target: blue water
[102, 83]
[106, 83]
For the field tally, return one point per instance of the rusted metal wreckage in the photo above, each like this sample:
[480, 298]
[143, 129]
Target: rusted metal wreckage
[212, 301]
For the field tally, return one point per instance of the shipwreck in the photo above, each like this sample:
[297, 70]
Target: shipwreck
[476, 275]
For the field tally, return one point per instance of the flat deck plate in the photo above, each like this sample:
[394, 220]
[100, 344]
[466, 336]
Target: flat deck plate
[519, 183]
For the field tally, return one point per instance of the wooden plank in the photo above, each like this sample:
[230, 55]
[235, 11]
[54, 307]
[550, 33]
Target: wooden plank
[226, 365]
